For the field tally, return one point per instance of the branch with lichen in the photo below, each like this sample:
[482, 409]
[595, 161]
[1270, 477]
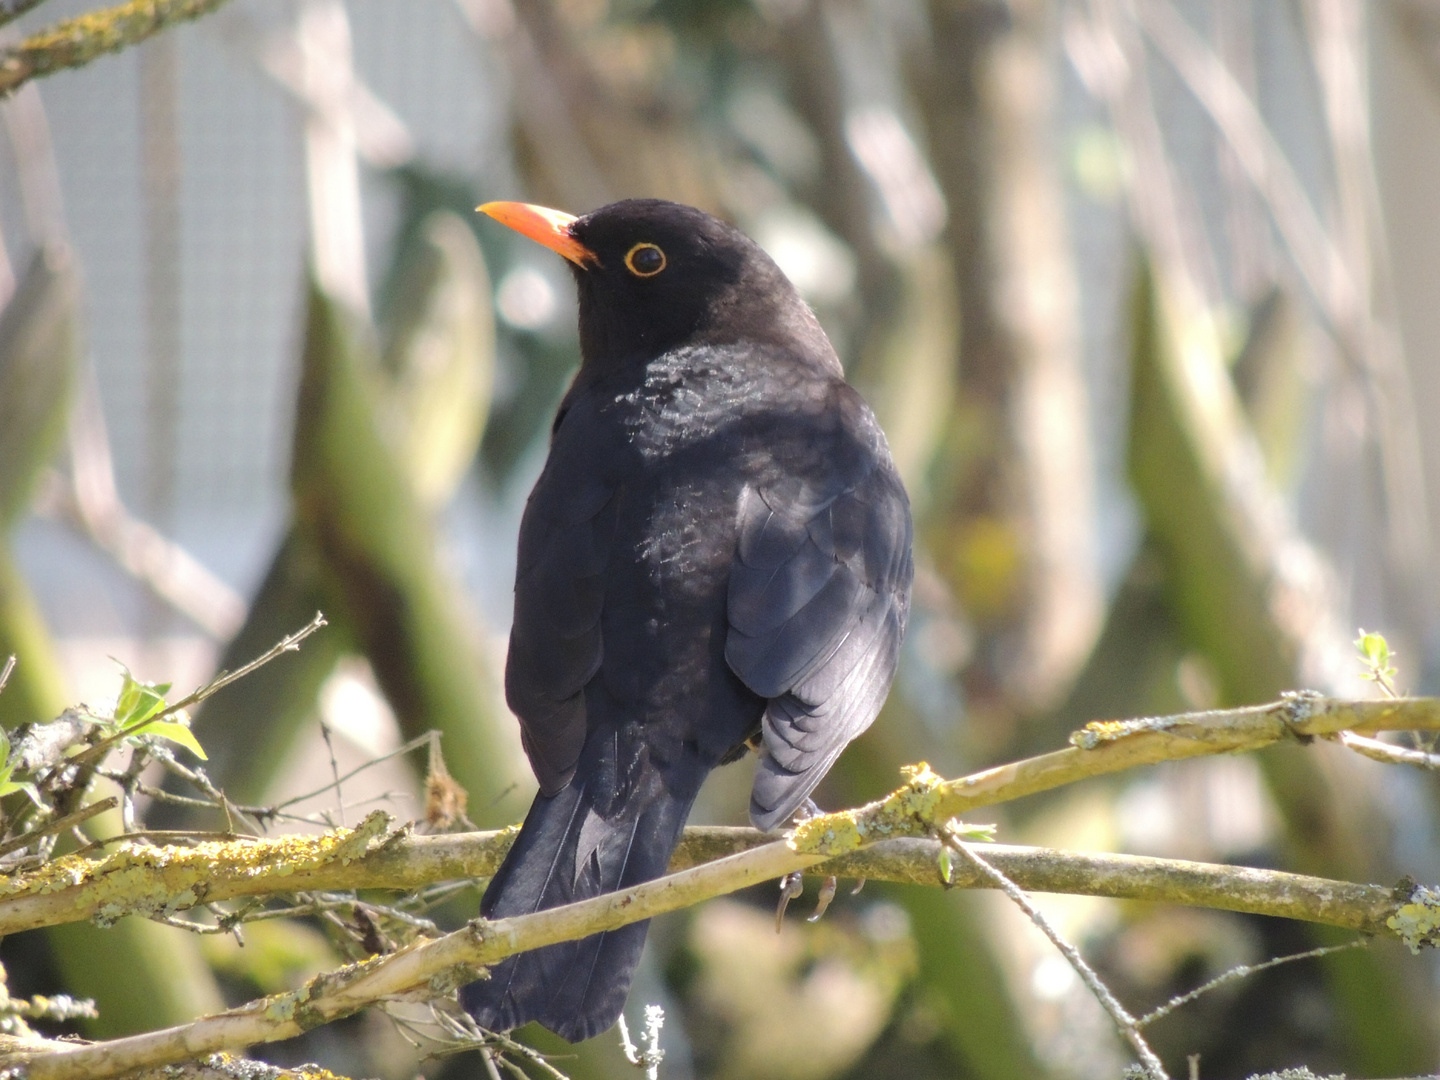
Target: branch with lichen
[435, 968]
[886, 839]
[142, 878]
[75, 42]
[18, 1050]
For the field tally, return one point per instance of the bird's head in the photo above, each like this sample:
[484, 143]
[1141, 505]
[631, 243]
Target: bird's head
[653, 275]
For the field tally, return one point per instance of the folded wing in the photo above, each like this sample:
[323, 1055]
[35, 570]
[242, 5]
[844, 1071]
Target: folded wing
[555, 641]
[818, 599]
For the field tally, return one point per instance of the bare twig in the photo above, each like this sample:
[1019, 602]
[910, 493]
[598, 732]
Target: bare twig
[428, 968]
[413, 744]
[1127, 1024]
[1386, 752]
[7, 670]
[224, 679]
[334, 771]
[648, 1059]
[59, 825]
[58, 1007]
[1112, 746]
[1243, 971]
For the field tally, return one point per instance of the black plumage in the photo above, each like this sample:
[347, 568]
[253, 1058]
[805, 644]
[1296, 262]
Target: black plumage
[718, 547]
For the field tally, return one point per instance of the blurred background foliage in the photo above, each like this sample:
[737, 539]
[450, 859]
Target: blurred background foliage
[1143, 291]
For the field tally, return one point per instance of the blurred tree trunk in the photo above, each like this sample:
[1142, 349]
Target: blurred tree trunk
[1011, 525]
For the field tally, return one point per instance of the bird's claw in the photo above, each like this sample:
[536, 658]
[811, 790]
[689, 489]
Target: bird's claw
[827, 893]
[791, 886]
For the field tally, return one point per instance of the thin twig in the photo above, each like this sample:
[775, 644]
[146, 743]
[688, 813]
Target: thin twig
[1129, 1028]
[334, 771]
[648, 1059]
[413, 744]
[1242, 971]
[6, 670]
[1387, 752]
[59, 825]
[224, 679]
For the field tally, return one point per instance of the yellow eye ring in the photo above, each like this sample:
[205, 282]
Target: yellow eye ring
[645, 260]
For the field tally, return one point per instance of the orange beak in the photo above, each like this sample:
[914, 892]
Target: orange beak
[544, 226]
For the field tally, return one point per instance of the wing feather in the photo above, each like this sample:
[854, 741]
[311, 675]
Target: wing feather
[556, 646]
[817, 604]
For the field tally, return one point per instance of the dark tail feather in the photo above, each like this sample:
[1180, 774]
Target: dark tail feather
[565, 852]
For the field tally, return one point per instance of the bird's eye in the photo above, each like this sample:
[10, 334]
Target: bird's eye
[645, 260]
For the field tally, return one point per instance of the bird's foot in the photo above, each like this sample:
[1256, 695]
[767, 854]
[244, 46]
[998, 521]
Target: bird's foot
[827, 893]
[806, 810]
[791, 886]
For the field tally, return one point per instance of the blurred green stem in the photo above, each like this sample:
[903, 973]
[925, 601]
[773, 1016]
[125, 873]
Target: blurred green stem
[379, 565]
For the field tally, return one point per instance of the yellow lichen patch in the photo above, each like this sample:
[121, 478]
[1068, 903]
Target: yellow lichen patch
[138, 877]
[242, 1067]
[106, 29]
[282, 1007]
[906, 811]
[1103, 731]
[1418, 922]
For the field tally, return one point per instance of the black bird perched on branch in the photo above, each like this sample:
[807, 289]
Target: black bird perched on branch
[717, 552]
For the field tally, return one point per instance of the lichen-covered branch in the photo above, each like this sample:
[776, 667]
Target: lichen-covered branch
[143, 879]
[17, 1050]
[140, 878]
[75, 42]
[882, 840]
[1113, 746]
[436, 967]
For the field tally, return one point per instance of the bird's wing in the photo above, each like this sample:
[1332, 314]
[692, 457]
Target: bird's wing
[555, 642]
[818, 597]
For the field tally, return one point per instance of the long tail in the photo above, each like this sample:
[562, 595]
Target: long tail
[569, 850]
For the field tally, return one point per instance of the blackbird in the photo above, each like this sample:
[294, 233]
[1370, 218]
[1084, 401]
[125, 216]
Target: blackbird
[716, 556]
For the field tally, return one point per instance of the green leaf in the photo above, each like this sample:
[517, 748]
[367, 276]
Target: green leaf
[947, 865]
[138, 701]
[7, 769]
[1374, 648]
[1375, 654]
[976, 834]
[9, 787]
[177, 732]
